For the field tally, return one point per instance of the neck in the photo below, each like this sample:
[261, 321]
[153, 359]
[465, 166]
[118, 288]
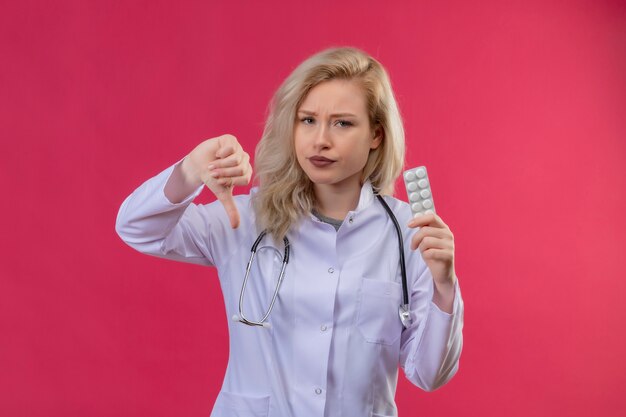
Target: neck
[335, 201]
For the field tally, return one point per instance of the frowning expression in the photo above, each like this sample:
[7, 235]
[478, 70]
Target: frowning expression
[333, 135]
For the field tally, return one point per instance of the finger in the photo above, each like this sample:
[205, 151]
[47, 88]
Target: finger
[237, 171]
[226, 198]
[430, 219]
[227, 139]
[429, 231]
[228, 182]
[242, 169]
[432, 231]
[227, 145]
[225, 182]
[231, 160]
[438, 254]
[441, 232]
[424, 242]
[430, 242]
[225, 151]
[234, 159]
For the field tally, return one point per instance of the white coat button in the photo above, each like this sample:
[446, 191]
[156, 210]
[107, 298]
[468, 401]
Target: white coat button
[318, 391]
[331, 270]
[323, 327]
[350, 220]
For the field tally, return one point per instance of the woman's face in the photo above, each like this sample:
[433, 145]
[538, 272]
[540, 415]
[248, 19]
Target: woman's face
[333, 136]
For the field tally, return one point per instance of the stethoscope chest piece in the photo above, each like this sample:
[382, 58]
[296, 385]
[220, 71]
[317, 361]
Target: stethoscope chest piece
[405, 315]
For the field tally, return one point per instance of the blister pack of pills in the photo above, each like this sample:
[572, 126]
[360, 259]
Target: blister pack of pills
[418, 190]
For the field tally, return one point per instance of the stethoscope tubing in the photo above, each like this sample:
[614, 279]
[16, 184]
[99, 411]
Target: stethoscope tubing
[404, 312]
[405, 291]
[242, 318]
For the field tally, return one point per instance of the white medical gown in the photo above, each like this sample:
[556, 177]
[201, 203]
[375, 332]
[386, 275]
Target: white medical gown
[336, 340]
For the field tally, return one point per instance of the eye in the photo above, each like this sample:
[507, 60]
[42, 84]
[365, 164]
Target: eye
[345, 123]
[307, 120]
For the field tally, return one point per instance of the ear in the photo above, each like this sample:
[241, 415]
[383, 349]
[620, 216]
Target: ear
[379, 134]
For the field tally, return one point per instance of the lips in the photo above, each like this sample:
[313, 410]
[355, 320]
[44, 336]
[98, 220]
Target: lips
[320, 161]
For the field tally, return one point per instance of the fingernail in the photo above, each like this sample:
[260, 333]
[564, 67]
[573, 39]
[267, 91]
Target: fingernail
[211, 167]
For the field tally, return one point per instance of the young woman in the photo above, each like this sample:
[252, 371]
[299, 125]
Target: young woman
[323, 241]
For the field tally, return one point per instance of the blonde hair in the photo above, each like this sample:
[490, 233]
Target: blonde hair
[285, 192]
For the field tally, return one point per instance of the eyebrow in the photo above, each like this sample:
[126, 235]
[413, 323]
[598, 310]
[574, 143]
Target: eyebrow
[312, 113]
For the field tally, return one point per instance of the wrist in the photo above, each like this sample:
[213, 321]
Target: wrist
[190, 175]
[443, 295]
[445, 286]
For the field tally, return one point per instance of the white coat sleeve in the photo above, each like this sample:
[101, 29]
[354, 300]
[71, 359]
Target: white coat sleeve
[431, 346]
[150, 223]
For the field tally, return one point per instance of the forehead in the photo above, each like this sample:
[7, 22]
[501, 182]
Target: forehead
[335, 96]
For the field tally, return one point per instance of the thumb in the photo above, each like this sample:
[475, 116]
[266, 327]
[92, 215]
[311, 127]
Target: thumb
[227, 200]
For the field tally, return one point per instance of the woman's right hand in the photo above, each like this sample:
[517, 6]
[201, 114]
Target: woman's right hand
[220, 163]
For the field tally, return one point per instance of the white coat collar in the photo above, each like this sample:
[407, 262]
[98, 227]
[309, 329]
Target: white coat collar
[367, 196]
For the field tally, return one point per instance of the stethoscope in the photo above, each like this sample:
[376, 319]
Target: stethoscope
[403, 310]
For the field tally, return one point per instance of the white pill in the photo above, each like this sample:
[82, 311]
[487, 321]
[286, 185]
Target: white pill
[418, 190]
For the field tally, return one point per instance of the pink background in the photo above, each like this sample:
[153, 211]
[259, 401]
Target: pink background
[516, 107]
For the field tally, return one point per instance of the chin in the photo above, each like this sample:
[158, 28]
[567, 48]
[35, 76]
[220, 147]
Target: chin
[317, 180]
[315, 177]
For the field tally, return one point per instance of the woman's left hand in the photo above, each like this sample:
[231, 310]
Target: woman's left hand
[436, 244]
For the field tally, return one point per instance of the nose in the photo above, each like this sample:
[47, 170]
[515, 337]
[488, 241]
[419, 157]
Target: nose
[322, 139]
